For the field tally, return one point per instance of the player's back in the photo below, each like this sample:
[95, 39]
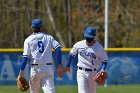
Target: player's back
[40, 45]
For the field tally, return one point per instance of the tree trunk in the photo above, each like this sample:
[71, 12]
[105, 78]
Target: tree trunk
[53, 25]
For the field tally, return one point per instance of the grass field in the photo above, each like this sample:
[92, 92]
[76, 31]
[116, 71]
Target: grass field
[73, 89]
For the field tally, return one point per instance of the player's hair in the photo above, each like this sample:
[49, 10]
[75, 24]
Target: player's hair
[37, 30]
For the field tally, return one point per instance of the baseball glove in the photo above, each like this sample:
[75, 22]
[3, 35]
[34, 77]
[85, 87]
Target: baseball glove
[22, 84]
[100, 77]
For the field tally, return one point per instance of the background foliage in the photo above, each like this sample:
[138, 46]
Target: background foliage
[66, 20]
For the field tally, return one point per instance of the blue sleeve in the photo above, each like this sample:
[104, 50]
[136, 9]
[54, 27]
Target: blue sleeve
[58, 53]
[23, 63]
[104, 65]
[70, 58]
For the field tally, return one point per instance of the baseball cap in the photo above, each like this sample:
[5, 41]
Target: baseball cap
[90, 32]
[36, 23]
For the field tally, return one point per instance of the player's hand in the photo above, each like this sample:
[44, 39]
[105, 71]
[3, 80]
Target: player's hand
[67, 69]
[60, 71]
[100, 77]
[20, 73]
[102, 70]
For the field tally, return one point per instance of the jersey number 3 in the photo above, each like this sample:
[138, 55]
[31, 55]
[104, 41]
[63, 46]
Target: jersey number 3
[41, 46]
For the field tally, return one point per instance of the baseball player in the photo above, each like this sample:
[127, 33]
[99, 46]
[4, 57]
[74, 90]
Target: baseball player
[37, 48]
[91, 56]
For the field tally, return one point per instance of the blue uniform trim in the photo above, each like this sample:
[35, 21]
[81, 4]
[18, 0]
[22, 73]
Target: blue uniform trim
[57, 47]
[58, 53]
[104, 61]
[70, 58]
[25, 56]
[104, 65]
[23, 63]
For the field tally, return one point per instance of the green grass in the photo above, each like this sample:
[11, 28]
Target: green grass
[73, 89]
[119, 89]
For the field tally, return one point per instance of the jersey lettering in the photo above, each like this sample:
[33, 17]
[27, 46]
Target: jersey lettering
[92, 55]
[92, 62]
[41, 46]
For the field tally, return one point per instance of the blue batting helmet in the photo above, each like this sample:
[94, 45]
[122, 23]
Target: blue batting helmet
[90, 32]
[36, 23]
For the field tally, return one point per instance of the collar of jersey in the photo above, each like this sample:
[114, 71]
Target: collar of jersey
[37, 32]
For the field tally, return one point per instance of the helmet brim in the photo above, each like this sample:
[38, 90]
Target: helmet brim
[36, 26]
[88, 36]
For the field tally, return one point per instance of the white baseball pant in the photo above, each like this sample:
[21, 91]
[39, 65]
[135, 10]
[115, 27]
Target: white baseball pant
[86, 84]
[42, 75]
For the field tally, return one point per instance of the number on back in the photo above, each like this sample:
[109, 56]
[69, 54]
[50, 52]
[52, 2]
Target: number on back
[41, 46]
